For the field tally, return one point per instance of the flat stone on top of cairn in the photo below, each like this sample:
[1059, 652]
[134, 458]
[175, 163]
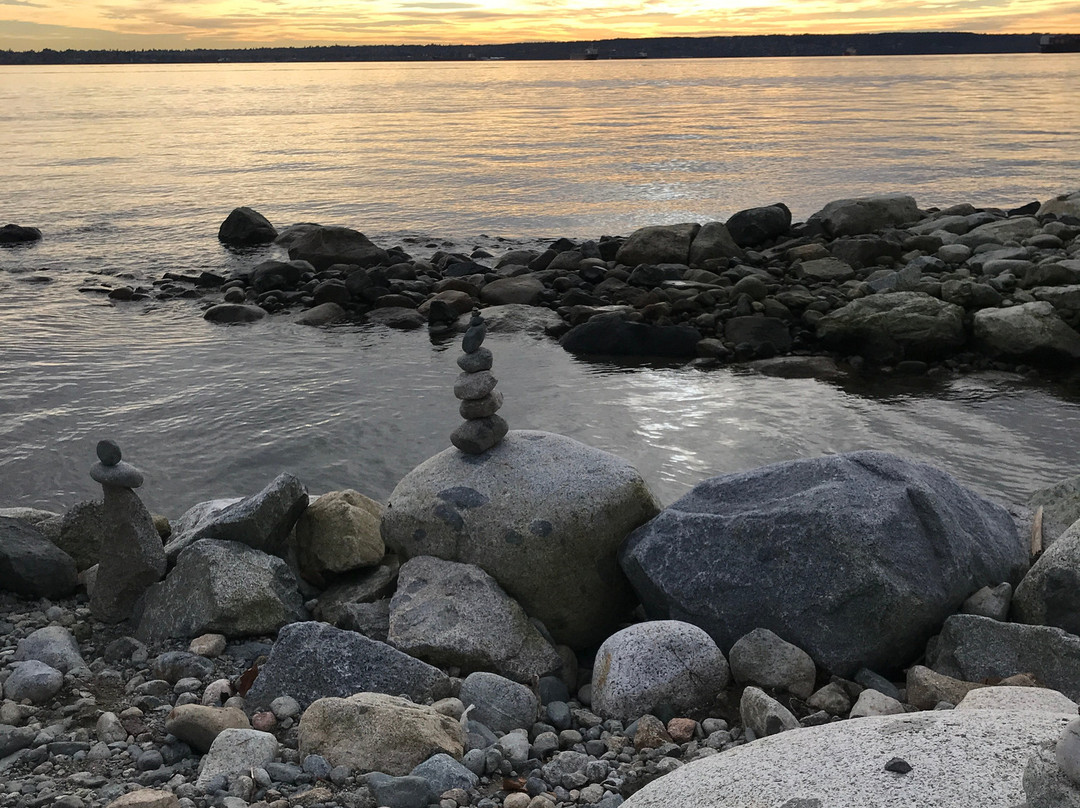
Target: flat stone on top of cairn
[475, 388]
[112, 470]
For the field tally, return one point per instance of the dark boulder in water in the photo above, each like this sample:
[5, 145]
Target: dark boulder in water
[755, 226]
[613, 336]
[245, 227]
[16, 234]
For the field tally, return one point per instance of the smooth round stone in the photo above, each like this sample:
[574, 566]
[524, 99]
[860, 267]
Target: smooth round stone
[1068, 751]
[474, 336]
[108, 452]
[480, 359]
[470, 386]
[122, 475]
[476, 437]
[471, 409]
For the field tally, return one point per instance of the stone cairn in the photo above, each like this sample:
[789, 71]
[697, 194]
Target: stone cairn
[475, 387]
[132, 556]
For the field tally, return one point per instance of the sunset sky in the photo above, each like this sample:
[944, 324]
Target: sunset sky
[131, 24]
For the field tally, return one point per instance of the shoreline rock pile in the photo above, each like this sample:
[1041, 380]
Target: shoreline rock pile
[530, 630]
[875, 281]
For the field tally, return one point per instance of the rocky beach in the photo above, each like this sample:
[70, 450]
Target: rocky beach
[521, 624]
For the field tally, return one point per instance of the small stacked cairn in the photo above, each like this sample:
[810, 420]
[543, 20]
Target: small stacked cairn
[475, 387]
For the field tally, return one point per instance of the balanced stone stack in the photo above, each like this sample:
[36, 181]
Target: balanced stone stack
[475, 387]
[132, 556]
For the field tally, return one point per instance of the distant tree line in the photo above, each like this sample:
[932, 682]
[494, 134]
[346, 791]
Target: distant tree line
[654, 47]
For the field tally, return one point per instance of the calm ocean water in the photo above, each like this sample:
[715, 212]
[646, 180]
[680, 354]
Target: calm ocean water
[129, 171]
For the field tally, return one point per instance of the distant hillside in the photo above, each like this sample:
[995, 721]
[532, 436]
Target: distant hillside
[657, 47]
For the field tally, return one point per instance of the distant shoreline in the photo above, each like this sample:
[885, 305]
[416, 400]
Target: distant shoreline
[712, 47]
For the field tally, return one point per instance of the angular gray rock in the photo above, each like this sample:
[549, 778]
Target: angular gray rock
[867, 214]
[1032, 330]
[764, 714]
[360, 586]
[1049, 595]
[542, 514]
[53, 645]
[969, 759]
[452, 614]
[713, 240]
[312, 660]
[893, 326]
[975, 648]
[658, 244]
[762, 658]
[31, 565]
[262, 521]
[660, 663]
[235, 751]
[498, 703]
[223, 587]
[993, 602]
[855, 558]
[443, 773]
[131, 556]
[82, 530]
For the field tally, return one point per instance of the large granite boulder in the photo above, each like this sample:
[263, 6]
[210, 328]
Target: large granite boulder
[867, 214]
[660, 663]
[894, 326]
[974, 648]
[378, 732]
[244, 227]
[262, 521]
[1049, 595]
[965, 759]
[324, 246]
[542, 514]
[755, 226]
[337, 533]
[453, 614]
[658, 244]
[855, 558]
[713, 240]
[131, 557]
[311, 660]
[610, 335]
[31, 565]
[1061, 507]
[1032, 330]
[222, 587]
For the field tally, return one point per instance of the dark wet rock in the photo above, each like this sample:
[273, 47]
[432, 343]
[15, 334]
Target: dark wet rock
[523, 289]
[614, 336]
[853, 217]
[766, 336]
[271, 275]
[1031, 330]
[245, 226]
[323, 246]
[234, 313]
[399, 317]
[658, 244]
[894, 546]
[713, 240]
[755, 226]
[17, 234]
[894, 326]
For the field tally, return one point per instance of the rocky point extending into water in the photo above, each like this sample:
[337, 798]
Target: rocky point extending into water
[875, 281]
[522, 626]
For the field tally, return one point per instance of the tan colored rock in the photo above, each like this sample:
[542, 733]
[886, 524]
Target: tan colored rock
[145, 798]
[208, 645]
[926, 688]
[197, 725]
[376, 732]
[337, 533]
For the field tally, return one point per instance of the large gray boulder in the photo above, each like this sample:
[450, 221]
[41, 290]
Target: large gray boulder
[1032, 330]
[867, 214]
[713, 240]
[131, 557]
[893, 326]
[523, 290]
[323, 246]
[976, 648]
[855, 558]
[262, 521]
[968, 759]
[53, 645]
[658, 244]
[452, 614]
[755, 226]
[244, 227]
[1049, 595]
[663, 662]
[542, 514]
[337, 533]
[221, 587]
[31, 565]
[613, 336]
[378, 732]
[1061, 507]
[311, 660]
[498, 703]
